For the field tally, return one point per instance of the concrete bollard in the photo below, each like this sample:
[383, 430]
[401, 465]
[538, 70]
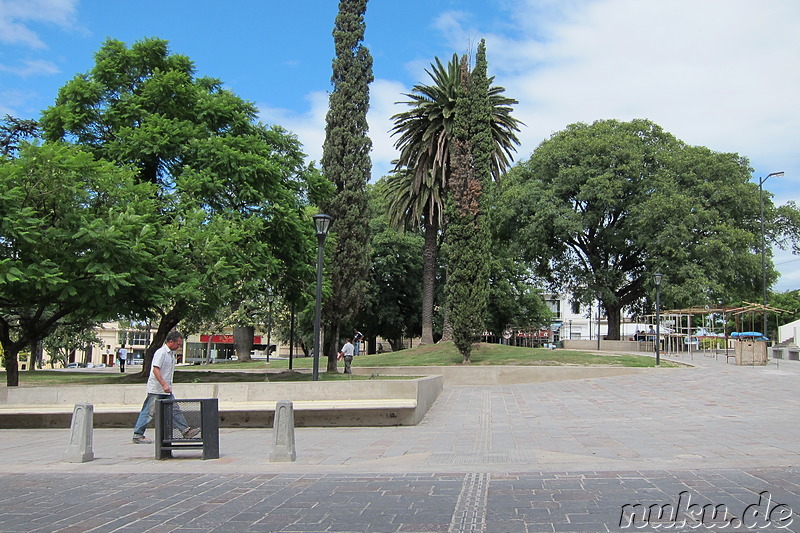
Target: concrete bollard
[79, 449]
[283, 449]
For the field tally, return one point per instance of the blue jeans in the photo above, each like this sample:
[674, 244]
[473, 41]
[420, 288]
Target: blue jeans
[149, 410]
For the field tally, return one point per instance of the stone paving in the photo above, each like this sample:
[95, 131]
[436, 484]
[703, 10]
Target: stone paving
[605, 454]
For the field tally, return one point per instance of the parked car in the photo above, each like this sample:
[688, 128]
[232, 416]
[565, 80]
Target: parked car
[75, 365]
[100, 365]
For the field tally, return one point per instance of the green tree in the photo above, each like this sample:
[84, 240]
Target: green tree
[13, 131]
[230, 188]
[515, 298]
[425, 133]
[598, 208]
[784, 228]
[67, 338]
[392, 307]
[346, 163]
[77, 237]
[788, 301]
[409, 209]
[466, 237]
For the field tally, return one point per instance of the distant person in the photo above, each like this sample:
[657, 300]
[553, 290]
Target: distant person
[357, 336]
[159, 387]
[347, 354]
[122, 355]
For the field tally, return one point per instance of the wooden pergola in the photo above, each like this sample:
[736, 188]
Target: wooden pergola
[682, 334]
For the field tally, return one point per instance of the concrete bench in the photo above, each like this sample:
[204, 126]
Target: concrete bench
[356, 403]
[308, 413]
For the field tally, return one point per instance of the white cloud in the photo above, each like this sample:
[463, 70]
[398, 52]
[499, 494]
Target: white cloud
[32, 67]
[17, 17]
[718, 73]
[310, 125]
[10, 102]
[715, 73]
[382, 95]
[789, 267]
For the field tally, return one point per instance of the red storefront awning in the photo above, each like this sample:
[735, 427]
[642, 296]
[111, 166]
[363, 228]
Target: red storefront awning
[226, 339]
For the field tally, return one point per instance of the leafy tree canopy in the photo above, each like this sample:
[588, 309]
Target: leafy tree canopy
[392, 307]
[77, 237]
[599, 207]
[232, 190]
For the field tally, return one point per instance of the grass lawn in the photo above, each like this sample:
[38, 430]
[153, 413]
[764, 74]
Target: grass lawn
[85, 376]
[444, 354]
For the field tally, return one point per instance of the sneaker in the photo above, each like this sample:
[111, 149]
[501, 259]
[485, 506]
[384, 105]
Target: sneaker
[190, 433]
[141, 439]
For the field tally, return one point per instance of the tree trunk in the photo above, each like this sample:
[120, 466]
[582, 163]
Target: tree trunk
[208, 348]
[12, 366]
[613, 315]
[429, 254]
[447, 327]
[36, 356]
[396, 344]
[333, 348]
[243, 339]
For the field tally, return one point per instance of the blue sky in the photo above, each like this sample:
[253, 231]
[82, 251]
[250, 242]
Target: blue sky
[718, 73]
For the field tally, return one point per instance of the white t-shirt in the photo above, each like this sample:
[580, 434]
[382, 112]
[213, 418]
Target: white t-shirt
[164, 359]
[348, 349]
[123, 354]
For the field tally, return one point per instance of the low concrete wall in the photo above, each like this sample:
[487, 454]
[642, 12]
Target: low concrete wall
[503, 375]
[225, 392]
[345, 403]
[609, 346]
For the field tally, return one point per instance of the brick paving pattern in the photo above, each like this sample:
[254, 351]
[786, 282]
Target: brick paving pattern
[593, 455]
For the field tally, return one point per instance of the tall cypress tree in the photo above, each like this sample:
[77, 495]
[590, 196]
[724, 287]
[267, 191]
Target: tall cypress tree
[346, 162]
[466, 238]
[480, 110]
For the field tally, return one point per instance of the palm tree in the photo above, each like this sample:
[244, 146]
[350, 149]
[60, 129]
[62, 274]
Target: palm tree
[410, 209]
[425, 134]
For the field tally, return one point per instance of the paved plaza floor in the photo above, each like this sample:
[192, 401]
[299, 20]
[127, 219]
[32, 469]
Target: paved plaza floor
[714, 447]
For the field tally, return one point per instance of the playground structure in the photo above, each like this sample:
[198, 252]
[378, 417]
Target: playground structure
[706, 330]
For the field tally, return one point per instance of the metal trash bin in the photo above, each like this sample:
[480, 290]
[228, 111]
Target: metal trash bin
[173, 414]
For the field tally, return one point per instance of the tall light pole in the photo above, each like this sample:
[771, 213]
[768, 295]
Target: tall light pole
[270, 299]
[764, 246]
[598, 321]
[657, 281]
[322, 223]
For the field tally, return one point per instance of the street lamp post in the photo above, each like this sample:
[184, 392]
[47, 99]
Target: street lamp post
[598, 322]
[270, 299]
[322, 224]
[657, 281]
[764, 246]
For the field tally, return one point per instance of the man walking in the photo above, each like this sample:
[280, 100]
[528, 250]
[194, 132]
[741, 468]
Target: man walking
[159, 387]
[347, 354]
